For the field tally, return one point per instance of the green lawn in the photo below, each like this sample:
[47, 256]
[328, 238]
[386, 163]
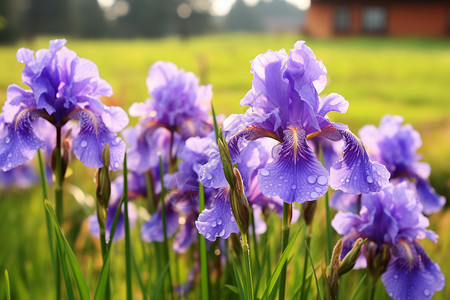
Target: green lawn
[376, 75]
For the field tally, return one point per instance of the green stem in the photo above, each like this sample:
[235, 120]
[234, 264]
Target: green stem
[7, 286]
[305, 263]
[163, 215]
[329, 231]
[203, 256]
[373, 289]
[255, 243]
[58, 202]
[286, 225]
[127, 230]
[247, 267]
[47, 221]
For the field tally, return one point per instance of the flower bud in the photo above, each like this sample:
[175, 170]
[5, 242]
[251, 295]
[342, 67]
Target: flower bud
[226, 162]
[66, 156]
[235, 244]
[103, 192]
[332, 272]
[378, 260]
[349, 260]
[239, 203]
[308, 210]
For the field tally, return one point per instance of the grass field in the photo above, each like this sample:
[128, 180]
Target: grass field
[376, 75]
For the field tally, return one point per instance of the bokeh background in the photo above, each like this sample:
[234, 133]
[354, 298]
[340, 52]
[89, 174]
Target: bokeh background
[384, 57]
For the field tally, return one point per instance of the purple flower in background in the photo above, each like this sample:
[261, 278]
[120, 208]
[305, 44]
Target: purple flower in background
[23, 177]
[63, 87]
[393, 218]
[177, 101]
[394, 145]
[285, 105]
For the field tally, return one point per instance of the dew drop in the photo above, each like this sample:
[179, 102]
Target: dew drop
[222, 233]
[369, 179]
[83, 144]
[10, 155]
[322, 180]
[264, 172]
[314, 195]
[347, 180]
[116, 165]
[208, 235]
[342, 179]
[209, 176]
[426, 292]
[232, 219]
[7, 139]
[214, 224]
[395, 276]
[318, 189]
[312, 178]
[219, 221]
[9, 165]
[293, 186]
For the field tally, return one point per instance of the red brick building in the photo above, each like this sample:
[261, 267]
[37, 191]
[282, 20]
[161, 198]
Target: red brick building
[327, 18]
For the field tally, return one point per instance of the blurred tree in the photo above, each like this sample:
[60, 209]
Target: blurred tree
[242, 17]
[90, 19]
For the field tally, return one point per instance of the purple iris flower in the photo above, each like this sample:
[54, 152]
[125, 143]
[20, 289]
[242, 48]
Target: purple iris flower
[395, 145]
[393, 218]
[285, 105]
[63, 87]
[177, 101]
[218, 220]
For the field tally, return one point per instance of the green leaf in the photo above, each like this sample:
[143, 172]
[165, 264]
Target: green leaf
[128, 269]
[238, 279]
[67, 256]
[276, 273]
[314, 271]
[160, 284]
[7, 287]
[232, 288]
[203, 256]
[358, 287]
[216, 127]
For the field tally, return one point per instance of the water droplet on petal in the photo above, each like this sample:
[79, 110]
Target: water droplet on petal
[219, 221]
[9, 165]
[293, 186]
[347, 180]
[232, 219]
[318, 189]
[209, 176]
[426, 292]
[322, 180]
[117, 140]
[208, 235]
[264, 172]
[314, 195]
[10, 155]
[369, 179]
[83, 144]
[7, 139]
[312, 178]
[222, 233]
[116, 165]
[213, 224]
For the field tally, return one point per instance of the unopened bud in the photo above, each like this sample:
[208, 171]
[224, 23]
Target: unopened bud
[239, 203]
[332, 271]
[309, 210]
[66, 155]
[349, 260]
[103, 192]
[226, 162]
[235, 244]
[378, 260]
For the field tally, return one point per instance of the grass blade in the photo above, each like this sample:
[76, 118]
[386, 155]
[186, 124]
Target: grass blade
[216, 127]
[160, 284]
[67, 255]
[232, 288]
[276, 273]
[127, 230]
[314, 271]
[203, 256]
[7, 286]
[358, 287]
[238, 279]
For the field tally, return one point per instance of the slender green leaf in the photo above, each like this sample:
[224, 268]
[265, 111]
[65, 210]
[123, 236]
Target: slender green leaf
[7, 286]
[238, 280]
[128, 269]
[216, 127]
[66, 276]
[160, 284]
[314, 271]
[276, 273]
[67, 253]
[139, 278]
[358, 287]
[203, 256]
[232, 288]
[306, 289]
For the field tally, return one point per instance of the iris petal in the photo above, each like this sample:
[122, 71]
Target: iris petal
[411, 274]
[153, 229]
[217, 221]
[295, 174]
[355, 173]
